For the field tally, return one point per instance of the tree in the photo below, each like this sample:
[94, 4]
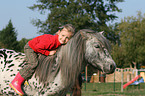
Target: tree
[2, 45]
[22, 43]
[131, 51]
[8, 37]
[93, 14]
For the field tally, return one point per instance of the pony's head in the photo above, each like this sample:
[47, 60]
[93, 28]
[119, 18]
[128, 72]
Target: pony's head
[97, 51]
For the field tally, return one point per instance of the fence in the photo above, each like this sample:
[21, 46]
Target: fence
[112, 89]
[126, 75]
[113, 84]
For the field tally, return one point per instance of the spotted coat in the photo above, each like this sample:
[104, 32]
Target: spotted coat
[10, 64]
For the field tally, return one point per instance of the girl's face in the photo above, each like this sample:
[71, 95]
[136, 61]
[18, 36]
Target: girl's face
[64, 36]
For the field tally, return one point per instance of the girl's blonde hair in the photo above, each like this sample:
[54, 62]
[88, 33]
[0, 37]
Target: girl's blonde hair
[69, 27]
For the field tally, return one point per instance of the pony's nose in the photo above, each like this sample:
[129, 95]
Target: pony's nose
[112, 68]
[109, 69]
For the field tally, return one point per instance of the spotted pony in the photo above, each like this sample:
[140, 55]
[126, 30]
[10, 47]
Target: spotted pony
[57, 74]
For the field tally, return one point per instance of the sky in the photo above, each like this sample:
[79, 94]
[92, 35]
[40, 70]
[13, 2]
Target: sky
[21, 16]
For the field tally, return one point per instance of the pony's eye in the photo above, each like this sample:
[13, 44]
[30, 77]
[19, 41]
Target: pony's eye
[97, 46]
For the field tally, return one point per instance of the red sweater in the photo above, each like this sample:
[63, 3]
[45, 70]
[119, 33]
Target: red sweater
[44, 44]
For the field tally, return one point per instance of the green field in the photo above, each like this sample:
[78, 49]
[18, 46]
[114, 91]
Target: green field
[111, 89]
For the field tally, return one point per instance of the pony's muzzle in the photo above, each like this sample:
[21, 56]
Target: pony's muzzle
[110, 69]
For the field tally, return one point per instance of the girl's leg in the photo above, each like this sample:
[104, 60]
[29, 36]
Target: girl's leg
[27, 71]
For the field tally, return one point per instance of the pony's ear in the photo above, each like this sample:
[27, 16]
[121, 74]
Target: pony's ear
[101, 32]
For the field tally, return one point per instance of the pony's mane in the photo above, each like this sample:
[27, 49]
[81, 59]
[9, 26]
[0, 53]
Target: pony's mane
[70, 59]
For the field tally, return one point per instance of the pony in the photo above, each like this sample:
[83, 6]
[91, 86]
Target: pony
[56, 74]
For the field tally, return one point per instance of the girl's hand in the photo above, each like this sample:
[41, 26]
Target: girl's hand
[52, 52]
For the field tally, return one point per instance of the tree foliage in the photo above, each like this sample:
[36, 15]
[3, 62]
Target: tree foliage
[22, 43]
[93, 14]
[8, 37]
[132, 37]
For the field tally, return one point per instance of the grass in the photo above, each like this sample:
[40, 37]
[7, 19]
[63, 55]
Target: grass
[111, 89]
